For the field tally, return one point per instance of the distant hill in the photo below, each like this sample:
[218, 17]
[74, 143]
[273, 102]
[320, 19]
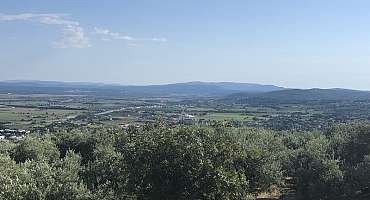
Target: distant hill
[202, 88]
[190, 88]
[234, 86]
[226, 92]
[298, 96]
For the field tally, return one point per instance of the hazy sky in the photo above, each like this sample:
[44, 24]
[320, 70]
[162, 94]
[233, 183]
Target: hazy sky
[288, 43]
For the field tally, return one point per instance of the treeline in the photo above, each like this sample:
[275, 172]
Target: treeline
[167, 163]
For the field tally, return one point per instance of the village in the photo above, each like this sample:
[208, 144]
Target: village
[13, 134]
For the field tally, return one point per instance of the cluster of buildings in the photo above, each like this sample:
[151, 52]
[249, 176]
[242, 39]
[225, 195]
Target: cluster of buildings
[12, 134]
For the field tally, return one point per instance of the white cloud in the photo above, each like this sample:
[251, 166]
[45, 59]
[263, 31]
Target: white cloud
[113, 35]
[73, 36]
[159, 39]
[102, 31]
[73, 33]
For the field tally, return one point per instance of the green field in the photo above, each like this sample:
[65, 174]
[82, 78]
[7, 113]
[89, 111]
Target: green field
[26, 117]
[225, 116]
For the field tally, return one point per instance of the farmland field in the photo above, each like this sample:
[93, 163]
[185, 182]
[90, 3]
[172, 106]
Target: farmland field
[18, 117]
[225, 116]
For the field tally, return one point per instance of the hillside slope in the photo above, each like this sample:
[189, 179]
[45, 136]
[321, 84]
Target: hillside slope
[190, 88]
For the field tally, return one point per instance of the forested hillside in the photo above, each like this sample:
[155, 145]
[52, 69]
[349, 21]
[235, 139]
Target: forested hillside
[161, 162]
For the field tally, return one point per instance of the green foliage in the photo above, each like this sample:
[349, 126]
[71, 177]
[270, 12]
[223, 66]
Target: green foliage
[14, 182]
[161, 162]
[107, 175]
[316, 175]
[68, 184]
[36, 148]
[40, 180]
[352, 145]
[265, 154]
[358, 180]
[80, 142]
[182, 163]
[6, 147]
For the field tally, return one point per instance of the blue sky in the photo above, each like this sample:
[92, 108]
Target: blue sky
[299, 44]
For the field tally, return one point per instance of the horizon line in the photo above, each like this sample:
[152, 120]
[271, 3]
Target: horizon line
[172, 83]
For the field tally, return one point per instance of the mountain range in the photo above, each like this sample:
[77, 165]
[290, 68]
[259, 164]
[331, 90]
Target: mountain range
[227, 92]
[189, 88]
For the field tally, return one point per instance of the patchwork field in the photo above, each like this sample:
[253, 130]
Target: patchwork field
[17, 117]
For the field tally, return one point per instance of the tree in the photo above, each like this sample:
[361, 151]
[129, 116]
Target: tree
[265, 155]
[351, 144]
[68, 184]
[35, 148]
[182, 163]
[78, 141]
[317, 176]
[15, 184]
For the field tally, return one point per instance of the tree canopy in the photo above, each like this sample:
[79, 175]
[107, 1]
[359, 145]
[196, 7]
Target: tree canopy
[163, 162]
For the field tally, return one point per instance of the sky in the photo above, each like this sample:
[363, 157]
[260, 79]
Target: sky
[298, 44]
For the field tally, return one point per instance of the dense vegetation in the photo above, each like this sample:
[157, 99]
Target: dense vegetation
[162, 162]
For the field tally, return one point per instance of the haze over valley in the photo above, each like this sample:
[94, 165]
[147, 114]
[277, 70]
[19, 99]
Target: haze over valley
[184, 100]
